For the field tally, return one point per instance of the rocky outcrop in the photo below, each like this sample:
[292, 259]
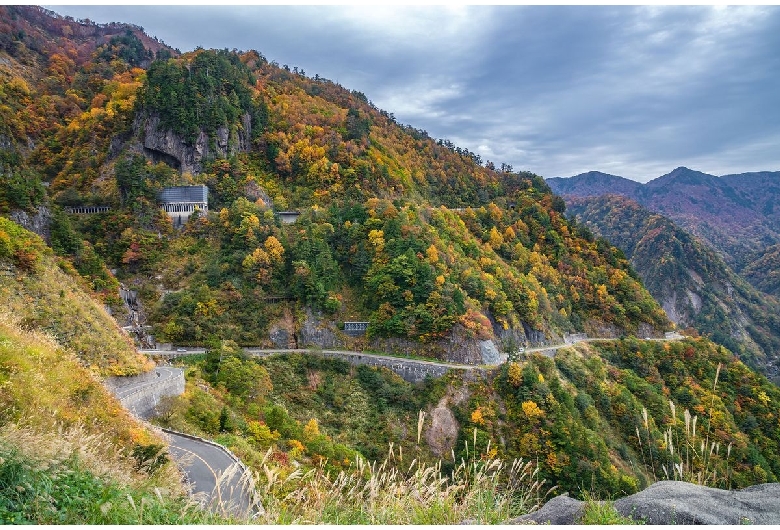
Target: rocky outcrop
[319, 332]
[315, 331]
[167, 146]
[673, 502]
[443, 431]
[39, 222]
[456, 348]
[560, 510]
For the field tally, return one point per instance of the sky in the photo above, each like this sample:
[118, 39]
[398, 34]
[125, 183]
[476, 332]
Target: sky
[634, 91]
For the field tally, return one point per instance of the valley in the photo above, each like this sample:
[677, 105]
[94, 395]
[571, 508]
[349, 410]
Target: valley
[687, 274]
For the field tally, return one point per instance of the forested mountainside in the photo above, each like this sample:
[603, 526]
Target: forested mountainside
[764, 272]
[601, 411]
[690, 281]
[413, 235]
[45, 293]
[432, 246]
[736, 215]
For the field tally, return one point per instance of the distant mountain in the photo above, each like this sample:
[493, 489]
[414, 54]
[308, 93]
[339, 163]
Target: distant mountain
[734, 214]
[593, 183]
[690, 281]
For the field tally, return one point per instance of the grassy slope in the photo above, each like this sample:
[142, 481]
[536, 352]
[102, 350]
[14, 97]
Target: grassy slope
[46, 297]
[67, 446]
[69, 452]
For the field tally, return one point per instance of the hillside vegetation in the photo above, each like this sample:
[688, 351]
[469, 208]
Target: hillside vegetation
[417, 236]
[603, 419]
[45, 293]
[735, 215]
[69, 452]
[764, 271]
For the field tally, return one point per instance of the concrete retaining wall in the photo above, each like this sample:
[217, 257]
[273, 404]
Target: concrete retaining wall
[409, 370]
[143, 400]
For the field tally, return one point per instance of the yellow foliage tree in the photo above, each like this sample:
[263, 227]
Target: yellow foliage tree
[275, 249]
[262, 434]
[515, 374]
[509, 234]
[311, 430]
[532, 410]
[476, 417]
[496, 239]
[377, 240]
[433, 255]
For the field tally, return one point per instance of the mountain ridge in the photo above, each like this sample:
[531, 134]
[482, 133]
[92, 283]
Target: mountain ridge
[735, 214]
[693, 285]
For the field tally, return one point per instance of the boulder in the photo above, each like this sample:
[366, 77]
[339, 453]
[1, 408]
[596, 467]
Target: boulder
[674, 502]
[671, 502]
[560, 510]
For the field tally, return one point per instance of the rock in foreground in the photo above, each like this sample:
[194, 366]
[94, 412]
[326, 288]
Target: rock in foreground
[671, 502]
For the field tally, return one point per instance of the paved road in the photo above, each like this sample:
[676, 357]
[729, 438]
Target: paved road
[162, 372]
[265, 352]
[213, 474]
[548, 351]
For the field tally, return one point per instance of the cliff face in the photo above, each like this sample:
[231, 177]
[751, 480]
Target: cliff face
[164, 145]
[39, 222]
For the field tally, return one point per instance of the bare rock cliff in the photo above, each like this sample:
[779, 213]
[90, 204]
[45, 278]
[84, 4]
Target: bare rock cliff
[166, 146]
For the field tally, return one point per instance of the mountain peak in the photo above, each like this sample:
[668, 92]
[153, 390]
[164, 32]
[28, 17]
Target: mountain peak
[684, 175]
[593, 183]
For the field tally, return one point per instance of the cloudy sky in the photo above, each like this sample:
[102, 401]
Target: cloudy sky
[632, 91]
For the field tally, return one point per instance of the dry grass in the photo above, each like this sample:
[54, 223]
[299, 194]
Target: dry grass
[53, 404]
[397, 492]
[74, 477]
[49, 300]
[95, 453]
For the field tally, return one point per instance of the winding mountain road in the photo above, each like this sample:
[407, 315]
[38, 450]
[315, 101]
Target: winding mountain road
[214, 474]
[260, 352]
[216, 477]
[134, 386]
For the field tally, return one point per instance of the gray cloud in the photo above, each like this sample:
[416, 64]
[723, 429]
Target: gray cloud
[633, 91]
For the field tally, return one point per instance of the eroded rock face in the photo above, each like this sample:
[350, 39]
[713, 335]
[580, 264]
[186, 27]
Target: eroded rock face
[315, 331]
[39, 222]
[443, 431]
[167, 146]
[489, 353]
[282, 332]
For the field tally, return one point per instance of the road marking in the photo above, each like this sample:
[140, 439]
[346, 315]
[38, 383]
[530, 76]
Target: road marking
[211, 469]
